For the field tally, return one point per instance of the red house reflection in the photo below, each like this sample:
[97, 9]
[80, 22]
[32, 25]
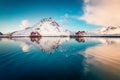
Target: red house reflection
[81, 39]
[35, 39]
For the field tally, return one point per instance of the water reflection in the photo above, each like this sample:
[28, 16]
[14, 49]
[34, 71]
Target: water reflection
[73, 59]
[104, 58]
[46, 44]
[25, 47]
[35, 39]
[64, 64]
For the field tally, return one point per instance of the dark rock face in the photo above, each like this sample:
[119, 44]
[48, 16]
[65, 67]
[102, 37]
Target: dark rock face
[1, 33]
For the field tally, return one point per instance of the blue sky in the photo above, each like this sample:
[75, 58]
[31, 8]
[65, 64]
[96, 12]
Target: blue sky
[65, 12]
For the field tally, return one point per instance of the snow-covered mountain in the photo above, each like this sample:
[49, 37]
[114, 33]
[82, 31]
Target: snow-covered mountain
[46, 27]
[110, 30]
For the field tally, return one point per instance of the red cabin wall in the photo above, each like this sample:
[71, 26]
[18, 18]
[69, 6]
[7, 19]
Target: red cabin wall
[80, 33]
[35, 34]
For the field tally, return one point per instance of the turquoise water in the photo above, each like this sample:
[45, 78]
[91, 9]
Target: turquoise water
[55, 58]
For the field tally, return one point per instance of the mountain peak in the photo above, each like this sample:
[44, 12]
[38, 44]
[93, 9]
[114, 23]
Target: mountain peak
[48, 21]
[46, 27]
[110, 30]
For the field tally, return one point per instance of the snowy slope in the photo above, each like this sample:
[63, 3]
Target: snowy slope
[46, 27]
[110, 30]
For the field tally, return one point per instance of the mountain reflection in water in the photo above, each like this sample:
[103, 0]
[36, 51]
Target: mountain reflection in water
[46, 44]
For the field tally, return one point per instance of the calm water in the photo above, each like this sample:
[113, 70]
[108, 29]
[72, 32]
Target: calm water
[58, 58]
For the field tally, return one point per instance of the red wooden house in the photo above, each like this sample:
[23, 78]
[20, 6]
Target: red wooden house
[80, 33]
[34, 34]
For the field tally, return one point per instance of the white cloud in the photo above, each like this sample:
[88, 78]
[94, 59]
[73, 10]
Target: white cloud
[66, 15]
[24, 23]
[62, 21]
[102, 12]
[69, 16]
